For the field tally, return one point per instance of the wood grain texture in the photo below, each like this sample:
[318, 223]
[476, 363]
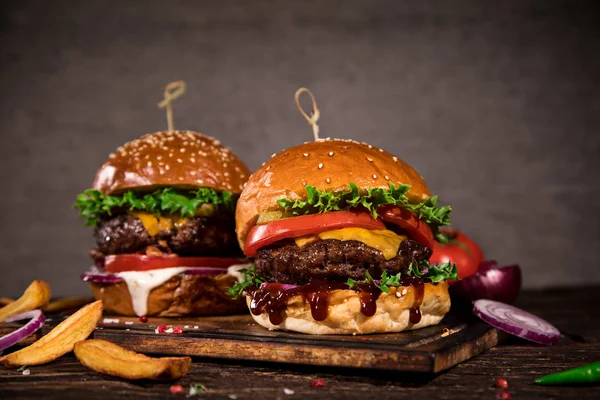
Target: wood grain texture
[574, 311]
[432, 349]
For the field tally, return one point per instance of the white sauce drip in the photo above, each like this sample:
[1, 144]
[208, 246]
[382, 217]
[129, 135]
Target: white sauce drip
[234, 270]
[140, 283]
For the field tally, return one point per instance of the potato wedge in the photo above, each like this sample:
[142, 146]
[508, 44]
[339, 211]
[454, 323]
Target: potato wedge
[59, 340]
[110, 359]
[67, 303]
[37, 295]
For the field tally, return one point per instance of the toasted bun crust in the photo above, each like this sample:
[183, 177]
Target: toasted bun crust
[345, 318]
[181, 295]
[331, 165]
[181, 159]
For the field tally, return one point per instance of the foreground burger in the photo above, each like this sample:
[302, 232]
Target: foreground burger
[341, 233]
[163, 210]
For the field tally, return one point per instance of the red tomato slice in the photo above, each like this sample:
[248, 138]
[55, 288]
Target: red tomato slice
[416, 228]
[140, 262]
[293, 227]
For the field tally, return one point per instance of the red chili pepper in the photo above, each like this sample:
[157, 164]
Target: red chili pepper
[143, 319]
[502, 383]
[176, 389]
[161, 329]
[318, 383]
[178, 330]
[503, 395]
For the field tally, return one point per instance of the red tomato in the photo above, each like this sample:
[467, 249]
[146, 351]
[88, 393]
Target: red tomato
[293, 227]
[140, 262]
[461, 250]
[408, 221]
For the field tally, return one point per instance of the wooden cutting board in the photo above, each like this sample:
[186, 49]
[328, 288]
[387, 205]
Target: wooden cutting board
[431, 349]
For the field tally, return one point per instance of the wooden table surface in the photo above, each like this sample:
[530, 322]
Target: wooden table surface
[574, 311]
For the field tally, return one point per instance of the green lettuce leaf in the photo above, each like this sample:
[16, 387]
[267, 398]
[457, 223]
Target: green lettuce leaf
[93, 205]
[251, 279]
[324, 201]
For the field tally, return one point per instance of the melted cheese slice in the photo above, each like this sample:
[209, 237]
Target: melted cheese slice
[383, 240]
[155, 224]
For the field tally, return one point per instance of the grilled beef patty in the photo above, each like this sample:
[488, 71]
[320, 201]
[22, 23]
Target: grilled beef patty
[199, 236]
[333, 260]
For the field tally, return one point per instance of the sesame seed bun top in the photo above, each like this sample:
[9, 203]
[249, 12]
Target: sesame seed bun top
[180, 159]
[330, 164]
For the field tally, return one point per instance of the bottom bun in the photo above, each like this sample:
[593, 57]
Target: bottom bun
[392, 315]
[181, 295]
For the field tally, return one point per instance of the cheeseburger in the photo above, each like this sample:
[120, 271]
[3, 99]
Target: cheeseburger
[341, 233]
[162, 207]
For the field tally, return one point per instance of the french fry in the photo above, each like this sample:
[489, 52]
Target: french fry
[110, 359]
[37, 295]
[59, 340]
[68, 303]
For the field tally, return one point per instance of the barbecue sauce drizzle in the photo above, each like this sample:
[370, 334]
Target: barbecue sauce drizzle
[272, 298]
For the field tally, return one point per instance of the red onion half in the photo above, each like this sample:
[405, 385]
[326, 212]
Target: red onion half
[516, 321]
[36, 321]
[501, 284]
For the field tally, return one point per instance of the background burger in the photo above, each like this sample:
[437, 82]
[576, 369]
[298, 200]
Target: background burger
[341, 233]
[163, 210]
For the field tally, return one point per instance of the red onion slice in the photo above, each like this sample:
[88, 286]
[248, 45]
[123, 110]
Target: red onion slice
[36, 321]
[205, 271]
[516, 321]
[502, 284]
[99, 277]
[282, 286]
[96, 276]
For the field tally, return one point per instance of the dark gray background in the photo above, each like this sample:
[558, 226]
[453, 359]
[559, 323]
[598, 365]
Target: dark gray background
[495, 103]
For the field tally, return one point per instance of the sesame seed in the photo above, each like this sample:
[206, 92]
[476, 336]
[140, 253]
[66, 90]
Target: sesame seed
[370, 146]
[331, 154]
[192, 173]
[237, 169]
[395, 158]
[200, 181]
[244, 185]
[369, 159]
[328, 180]
[303, 183]
[147, 156]
[226, 174]
[167, 167]
[171, 155]
[268, 168]
[180, 178]
[216, 143]
[192, 159]
[387, 178]
[182, 150]
[179, 160]
[273, 155]
[320, 165]
[305, 154]
[149, 163]
[224, 165]
[374, 176]
[381, 150]
[241, 187]
[160, 171]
